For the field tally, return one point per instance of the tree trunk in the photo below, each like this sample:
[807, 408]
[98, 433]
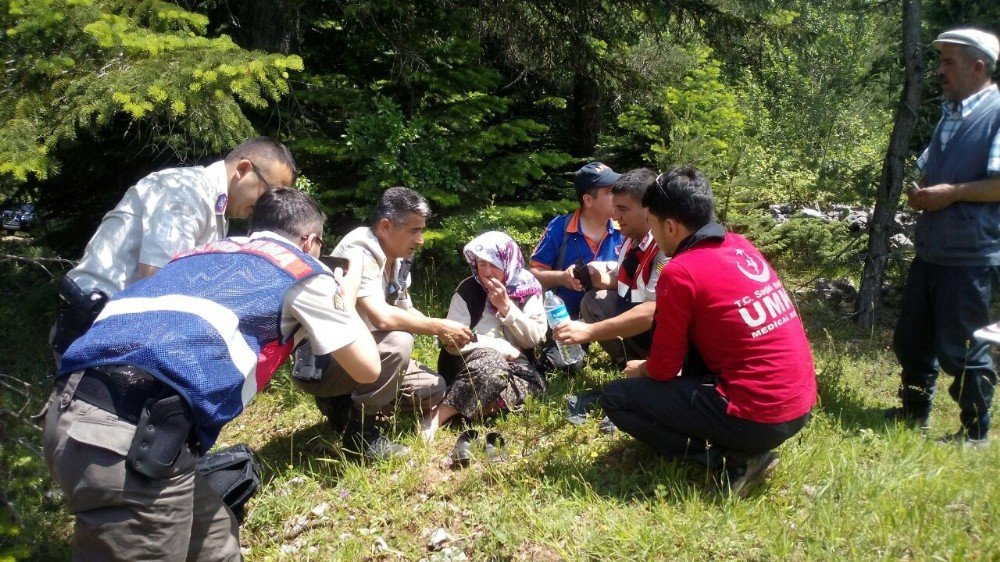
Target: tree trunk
[891, 183]
[586, 98]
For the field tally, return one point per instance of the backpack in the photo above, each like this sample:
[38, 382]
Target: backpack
[234, 473]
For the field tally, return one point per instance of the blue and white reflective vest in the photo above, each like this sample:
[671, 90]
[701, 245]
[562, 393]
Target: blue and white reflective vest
[208, 324]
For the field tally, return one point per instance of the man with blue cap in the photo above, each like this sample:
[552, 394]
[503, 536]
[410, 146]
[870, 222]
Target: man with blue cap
[573, 240]
[583, 236]
[951, 282]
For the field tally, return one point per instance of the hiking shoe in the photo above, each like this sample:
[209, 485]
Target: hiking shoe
[741, 479]
[337, 410]
[607, 426]
[900, 414]
[364, 438]
[962, 438]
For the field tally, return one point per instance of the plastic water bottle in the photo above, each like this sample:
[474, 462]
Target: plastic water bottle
[556, 314]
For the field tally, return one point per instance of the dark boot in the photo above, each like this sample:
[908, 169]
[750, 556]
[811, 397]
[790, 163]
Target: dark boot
[364, 437]
[337, 410]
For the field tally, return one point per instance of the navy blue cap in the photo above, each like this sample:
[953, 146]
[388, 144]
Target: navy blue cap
[594, 175]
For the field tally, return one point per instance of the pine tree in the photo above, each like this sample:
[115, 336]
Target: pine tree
[75, 66]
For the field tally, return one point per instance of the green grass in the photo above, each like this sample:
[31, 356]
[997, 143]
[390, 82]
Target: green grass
[848, 487]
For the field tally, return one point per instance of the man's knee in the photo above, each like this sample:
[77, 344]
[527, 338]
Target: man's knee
[614, 397]
[396, 345]
[597, 306]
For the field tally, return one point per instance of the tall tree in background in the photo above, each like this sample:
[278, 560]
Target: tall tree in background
[78, 68]
[891, 183]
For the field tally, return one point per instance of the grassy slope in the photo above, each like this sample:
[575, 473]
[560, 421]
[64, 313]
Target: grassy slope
[848, 486]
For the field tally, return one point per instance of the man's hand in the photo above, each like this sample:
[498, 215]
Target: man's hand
[635, 369]
[497, 293]
[570, 281]
[600, 277]
[572, 332]
[933, 198]
[452, 333]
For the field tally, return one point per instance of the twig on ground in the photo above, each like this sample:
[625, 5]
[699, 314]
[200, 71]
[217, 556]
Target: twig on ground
[37, 261]
[18, 417]
[15, 379]
[15, 390]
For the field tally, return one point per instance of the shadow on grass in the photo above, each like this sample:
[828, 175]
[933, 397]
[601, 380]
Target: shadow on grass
[315, 449]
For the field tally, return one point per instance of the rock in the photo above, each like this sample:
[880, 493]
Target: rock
[901, 241]
[813, 214]
[439, 539]
[835, 291]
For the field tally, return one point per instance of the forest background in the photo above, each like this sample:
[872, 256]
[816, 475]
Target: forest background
[487, 109]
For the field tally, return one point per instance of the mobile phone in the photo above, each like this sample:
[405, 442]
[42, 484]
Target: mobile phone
[333, 262]
[582, 274]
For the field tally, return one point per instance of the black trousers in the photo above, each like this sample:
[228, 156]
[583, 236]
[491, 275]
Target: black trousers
[686, 418]
[942, 306]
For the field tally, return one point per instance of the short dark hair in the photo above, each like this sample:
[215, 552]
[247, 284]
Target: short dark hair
[396, 205]
[288, 212]
[261, 150]
[682, 194]
[634, 183]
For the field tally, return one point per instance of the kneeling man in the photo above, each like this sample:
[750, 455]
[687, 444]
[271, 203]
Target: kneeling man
[380, 256]
[730, 374]
[619, 315]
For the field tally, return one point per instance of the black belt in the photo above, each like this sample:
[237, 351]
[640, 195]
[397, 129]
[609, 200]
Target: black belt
[122, 390]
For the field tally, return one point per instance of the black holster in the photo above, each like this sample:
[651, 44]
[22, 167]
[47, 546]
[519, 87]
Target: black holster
[164, 429]
[77, 311]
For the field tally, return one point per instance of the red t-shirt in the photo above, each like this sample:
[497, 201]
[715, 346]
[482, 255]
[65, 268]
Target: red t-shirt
[725, 299]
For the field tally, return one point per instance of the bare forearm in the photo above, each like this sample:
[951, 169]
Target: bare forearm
[548, 278]
[627, 324]
[982, 191]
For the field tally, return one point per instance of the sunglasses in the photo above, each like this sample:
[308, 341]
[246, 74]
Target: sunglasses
[256, 170]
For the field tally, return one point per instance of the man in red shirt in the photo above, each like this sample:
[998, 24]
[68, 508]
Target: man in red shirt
[730, 375]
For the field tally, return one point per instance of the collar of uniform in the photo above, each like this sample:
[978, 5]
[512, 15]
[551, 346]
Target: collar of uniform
[964, 107]
[217, 174]
[646, 241]
[273, 235]
[369, 241]
[573, 225]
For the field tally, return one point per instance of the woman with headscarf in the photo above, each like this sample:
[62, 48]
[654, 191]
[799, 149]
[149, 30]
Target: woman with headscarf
[502, 303]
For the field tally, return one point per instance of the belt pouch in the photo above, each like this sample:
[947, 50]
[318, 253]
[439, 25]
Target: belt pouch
[163, 429]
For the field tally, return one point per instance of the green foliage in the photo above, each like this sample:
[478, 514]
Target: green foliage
[524, 223]
[407, 100]
[78, 65]
[803, 245]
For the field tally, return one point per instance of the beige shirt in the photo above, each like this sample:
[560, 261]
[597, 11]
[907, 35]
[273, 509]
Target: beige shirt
[310, 303]
[520, 329]
[374, 281]
[165, 213]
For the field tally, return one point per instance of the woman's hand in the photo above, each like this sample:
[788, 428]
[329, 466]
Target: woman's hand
[497, 293]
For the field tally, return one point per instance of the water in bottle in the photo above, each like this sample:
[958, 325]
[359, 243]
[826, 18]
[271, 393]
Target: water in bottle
[556, 314]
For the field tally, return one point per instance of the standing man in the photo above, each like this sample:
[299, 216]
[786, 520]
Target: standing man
[725, 322]
[165, 213]
[381, 256]
[951, 282]
[621, 320]
[172, 359]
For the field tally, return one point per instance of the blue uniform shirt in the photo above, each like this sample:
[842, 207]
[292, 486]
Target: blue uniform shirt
[563, 244]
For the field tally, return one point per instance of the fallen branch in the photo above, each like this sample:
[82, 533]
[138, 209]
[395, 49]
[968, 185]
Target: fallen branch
[37, 261]
[18, 417]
